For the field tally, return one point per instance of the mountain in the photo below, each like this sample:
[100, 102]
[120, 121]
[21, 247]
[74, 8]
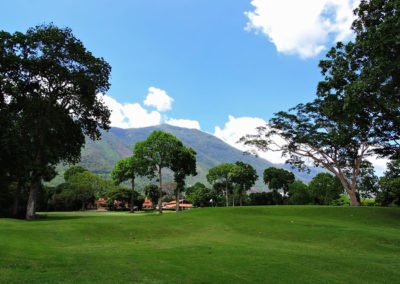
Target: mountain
[101, 156]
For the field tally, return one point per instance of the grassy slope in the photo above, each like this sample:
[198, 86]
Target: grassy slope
[215, 245]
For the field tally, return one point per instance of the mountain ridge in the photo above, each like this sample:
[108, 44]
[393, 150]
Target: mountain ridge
[102, 155]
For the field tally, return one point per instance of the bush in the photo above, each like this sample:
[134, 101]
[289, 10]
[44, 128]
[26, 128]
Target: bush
[369, 202]
[343, 200]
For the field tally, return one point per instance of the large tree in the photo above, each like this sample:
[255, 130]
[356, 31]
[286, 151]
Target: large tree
[183, 164]
[377, 49]
[127, 169]
[49, 85]
[220, 175]
[245, 176]
[357, 110]
[157, 151]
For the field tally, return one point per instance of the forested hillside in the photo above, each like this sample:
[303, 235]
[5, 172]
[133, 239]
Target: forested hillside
[101, 156]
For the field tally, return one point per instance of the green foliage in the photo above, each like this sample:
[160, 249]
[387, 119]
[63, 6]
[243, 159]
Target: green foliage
[122, 195]
[128, 169]
[390, 185]
[368, 184]
[343, 200]
[245, 176]
[100, 157]
[183, 164]
[369, 202]
[201, 196]
[324, 188]
[299, 194]
[220, 178]
[266, 198]
[157, 152]
[277, 179]
[72, 171]
[48, 95]
[153, 193]
[357, 110]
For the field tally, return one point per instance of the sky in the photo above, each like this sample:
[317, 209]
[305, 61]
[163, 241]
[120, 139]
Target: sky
[221, 66]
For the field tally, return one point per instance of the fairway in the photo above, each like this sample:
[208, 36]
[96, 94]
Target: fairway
[300, 244]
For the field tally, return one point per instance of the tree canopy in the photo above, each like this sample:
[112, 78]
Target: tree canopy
[157, 152]
[183, 164]
[49, 86]
[277, 178]
[128, 169]
[245, 176]
[221, 175]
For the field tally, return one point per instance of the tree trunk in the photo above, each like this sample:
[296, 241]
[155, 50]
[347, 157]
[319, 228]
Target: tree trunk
[350, 189]
[83, 206]
[233, 198]
[133, 196]
[31, 206]
[241, 197]
[159, 191]
[226, 194]
[16, 200]
[353, 199]
[177, 198]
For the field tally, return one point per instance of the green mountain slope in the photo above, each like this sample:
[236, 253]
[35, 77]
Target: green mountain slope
[101, 156]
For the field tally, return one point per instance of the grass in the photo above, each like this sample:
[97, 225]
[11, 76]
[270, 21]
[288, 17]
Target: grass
[301, 244]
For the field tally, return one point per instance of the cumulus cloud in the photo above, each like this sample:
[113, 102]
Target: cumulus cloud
[235, 128]
[302, 28]
[130, 115]
[159, 99]
[187, 123]
[380, 164]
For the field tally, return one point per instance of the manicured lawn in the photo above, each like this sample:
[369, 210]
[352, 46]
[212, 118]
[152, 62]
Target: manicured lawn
[299, 244]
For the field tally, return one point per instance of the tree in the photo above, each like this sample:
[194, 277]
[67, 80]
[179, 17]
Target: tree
[325, 188]
[128, 169]
[124, 195]
[153, 193]
[220, 174]
[84, 186]
[368, 183]
[377, 29]
[157, 152]
[266, 198]
[357, 110]
[183, 164]
[299, 193]
[49, 84]
[278, 179]
[390, 185]
[73, 171]
[200, 195]
[169, 188]
[245, 176]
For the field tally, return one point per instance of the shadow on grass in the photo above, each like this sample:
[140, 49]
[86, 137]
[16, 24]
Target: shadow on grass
[45, 217]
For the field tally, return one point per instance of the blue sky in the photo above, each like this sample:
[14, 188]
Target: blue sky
[224, 66]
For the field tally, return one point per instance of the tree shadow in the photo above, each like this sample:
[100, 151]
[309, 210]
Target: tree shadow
[45, 217]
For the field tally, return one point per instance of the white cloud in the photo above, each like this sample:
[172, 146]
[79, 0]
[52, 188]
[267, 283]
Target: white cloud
[130, 115]
[379, 164]
[302, 27]
[235, 128]
[187, 123]
[159, 99]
